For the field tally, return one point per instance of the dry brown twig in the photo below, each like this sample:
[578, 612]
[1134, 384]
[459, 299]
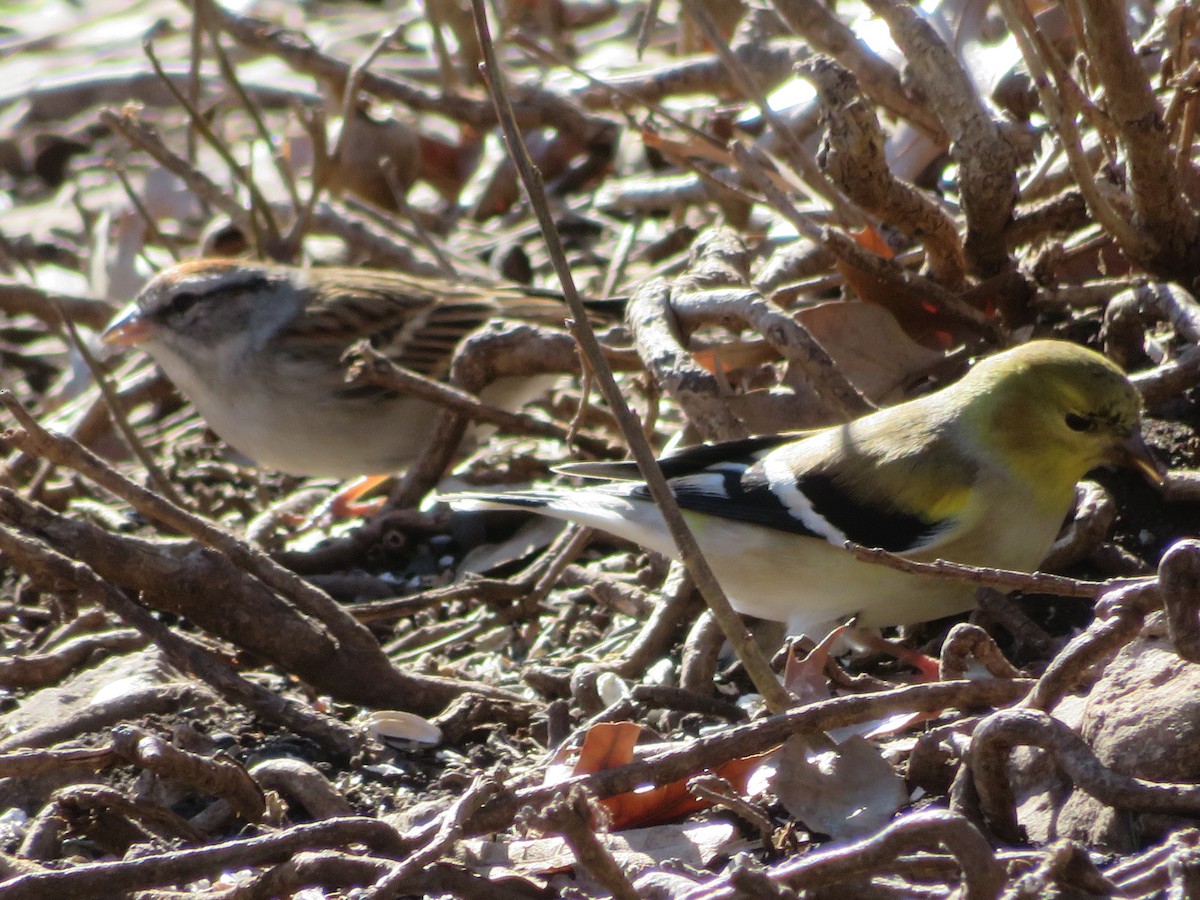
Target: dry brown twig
[117, 412]
[965, 640]
[34, 669]
[49, 306]
[203, 19]
[35, 557]
[108, 879]
[159, 235]
[131, 127]
[716, 289]
[365, 365]
[760, 672]
[125, 821]
[748, 83]
[573, 816]
[1061, 107]
[306, 609]
[852, 155]
[1164, 214]
[843, 247]
[676, 595]
[325, 169]
[219, 776]
[999, 733]
[573, 618]
[1090, 525]
[987, 161]
[697, 391]
[1032, 582]
[535, 108]
[260, 209]
[709, 751]
[983, 875]
[826, 34]
[448, 830]
[502, 350]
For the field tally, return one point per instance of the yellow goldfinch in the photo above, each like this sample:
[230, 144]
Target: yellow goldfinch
[981, 472]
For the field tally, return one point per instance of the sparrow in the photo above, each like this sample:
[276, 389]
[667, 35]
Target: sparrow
[257, 349]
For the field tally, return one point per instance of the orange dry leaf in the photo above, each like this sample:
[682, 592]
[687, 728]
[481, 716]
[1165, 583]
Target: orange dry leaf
[919, 316]
[606, 746]
[611, 744]
[734, 356]
[870, 239]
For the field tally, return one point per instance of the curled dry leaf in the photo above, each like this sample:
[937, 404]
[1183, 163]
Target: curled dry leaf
[610, 744]
[397, 725]
[870, 347]
[844, 792]
[636, 850]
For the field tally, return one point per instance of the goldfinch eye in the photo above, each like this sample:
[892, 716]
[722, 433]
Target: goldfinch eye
[1080, 423]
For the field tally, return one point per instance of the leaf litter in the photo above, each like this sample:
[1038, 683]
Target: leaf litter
[180, 713]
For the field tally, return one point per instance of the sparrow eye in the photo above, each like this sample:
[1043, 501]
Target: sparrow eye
[181, 303]
[1080, 423]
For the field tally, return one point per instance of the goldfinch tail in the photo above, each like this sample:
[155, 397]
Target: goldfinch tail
[609, 508]
[469, 502]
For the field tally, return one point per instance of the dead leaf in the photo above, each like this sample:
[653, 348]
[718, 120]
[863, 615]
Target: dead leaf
[869, 346]
[695, 843]
[610, 744]
[535, 535]
[606, 746]
[847, 792]
[921, 318]
[805, 678]
[369, 146]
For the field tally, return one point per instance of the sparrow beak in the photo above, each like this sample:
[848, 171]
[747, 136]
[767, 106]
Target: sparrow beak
[129, 329]
[1134, 453]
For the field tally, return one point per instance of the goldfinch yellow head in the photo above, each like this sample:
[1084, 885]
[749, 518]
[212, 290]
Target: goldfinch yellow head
[1056, 410]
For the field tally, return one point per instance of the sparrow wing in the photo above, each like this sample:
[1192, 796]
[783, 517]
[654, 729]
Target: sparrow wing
[417, 323]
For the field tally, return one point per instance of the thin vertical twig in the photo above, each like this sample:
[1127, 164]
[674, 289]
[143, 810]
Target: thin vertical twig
[229, 73]
[158, 233]
[257, 201]
[403, 208]
[1043, 65]
[161, 483]
[195, 57]
[321, 173]
[756, 665]
[814, 178]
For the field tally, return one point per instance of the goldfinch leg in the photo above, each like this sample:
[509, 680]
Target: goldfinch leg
[927, 666]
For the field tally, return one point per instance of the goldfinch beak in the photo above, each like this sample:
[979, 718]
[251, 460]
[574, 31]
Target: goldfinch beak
[129, 329]
[1136, 454]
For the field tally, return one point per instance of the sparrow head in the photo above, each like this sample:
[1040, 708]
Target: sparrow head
[204, 304]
